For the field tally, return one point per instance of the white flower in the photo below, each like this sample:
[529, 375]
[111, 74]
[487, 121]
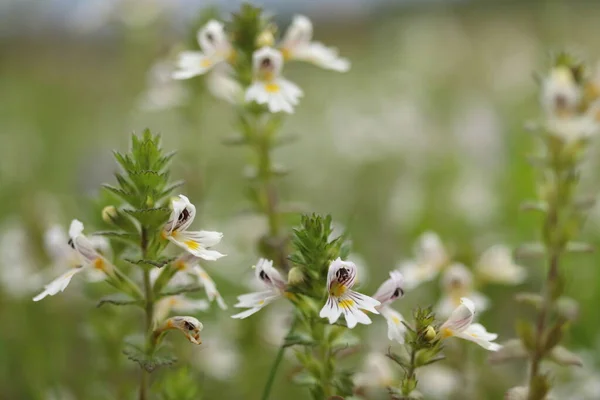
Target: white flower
[178, 304]
[18, 274]
[189, 326]
[446, 380]
[389, 291]
[197, 243]
[268, 87]
[161, 91]
[221, 85]
[88, 256]
[460, 324]
[496, 265]
[341, 299]
[215, 50]
[376, 372]
[220, 359]
[254, 302]
[430, 257]
[560, 93]
[297, 45]
[457, 283]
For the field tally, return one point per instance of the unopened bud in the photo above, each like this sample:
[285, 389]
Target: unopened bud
[109, 214]
[295, 276]
[430, 333]
[265, 38]
[189, 326]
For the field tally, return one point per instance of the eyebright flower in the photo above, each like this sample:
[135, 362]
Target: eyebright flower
[221, 84]
[254, 302]
[460, 324]
[297, 45]
[268, 87]
[388, 292]
[197, 243]
[215, 50]
[560, 94]
[341, 277]
[496, 265]
[189, 326]
[87, 257]
[188, 266]
[376, 372]
[457, 283]
[162, 92]
[430, 258]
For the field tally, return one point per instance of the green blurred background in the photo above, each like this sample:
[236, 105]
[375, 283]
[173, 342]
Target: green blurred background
[424, 133]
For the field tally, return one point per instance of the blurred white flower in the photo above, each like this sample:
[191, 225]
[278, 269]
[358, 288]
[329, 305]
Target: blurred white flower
[474, 196]
[17, 267]
[189, 326]
[389, 291]
[222, 85]
[297, 44]
[341, 299]
[162, 92]
[88, 257]
[460, 324]
[176, 231]
[496, 265]
[219, 357]
[444, 381]
[377, 371]
[216, 49]
[430, 258]
[268, 87]
[178, 304]
[272, 279]
[457, 283]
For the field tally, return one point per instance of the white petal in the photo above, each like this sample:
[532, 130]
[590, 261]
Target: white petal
[222, 86]
[209, 286]
[496, 265]
[363, 301]
[58, 285]
[461, 317]
[246, 313]
[342, 273]
[415, 273]
[472, 336]
[257, 299]
[322, 56]
[298, 34]
[391, 289]
[331, 310]
[396, 328]
[267, 274]
[260, 57]
[193, 63]
[213, 39]
[457, 276]
[193, 242]
[75, 229]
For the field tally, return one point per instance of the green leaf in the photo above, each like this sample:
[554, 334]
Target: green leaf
[128, 197]
[118, 300]
[298, 338]
[400, 359]
[532, 299]
[180, 290]
[539, 206]
[539, 387]
[152, 217]
[152, 263]
[149, 363]
[304, 378]
[126, 237]
[530, 250]
[555, 335]
[167, 190]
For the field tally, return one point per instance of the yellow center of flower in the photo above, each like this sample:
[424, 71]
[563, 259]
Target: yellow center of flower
[190, 244]
[347, 303]
[206, 62]
[446, 333]
[337, 289]
[180, 265]
[99, 264]
[204, 275]
[396, 320]
[272, 87]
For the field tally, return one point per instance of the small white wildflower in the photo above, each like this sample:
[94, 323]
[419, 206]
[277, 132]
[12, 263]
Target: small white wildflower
[189, 326]
[88, 256]
[460, 324]
[221, 84]
[197, 243]
[496, 265]
[341, 299]
[178, 304]
[376, 372]
[254, 302]
[430, 258]
[161, 91]
[268, 87]
[447, 381]
[388, 292]
[297, 44]
[215, 50]
[457, 283]
[560, 95]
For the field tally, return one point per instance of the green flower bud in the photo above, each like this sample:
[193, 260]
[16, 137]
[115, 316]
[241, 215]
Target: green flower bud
[429, 333]
[295, 276]
[109, 214]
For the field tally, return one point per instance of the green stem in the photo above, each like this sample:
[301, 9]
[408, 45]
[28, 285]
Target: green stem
[272, 373]
[149, 308]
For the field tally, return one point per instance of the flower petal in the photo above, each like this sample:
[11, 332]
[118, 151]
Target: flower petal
[396, 328]
[209, 286]
[461, 317]
[58, 285]
[391, 289]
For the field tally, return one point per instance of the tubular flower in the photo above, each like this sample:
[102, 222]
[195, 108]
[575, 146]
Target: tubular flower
[430, 258]
[178, 304]
[272, 280]
[457, 283]
[268, 87]
[388, 292]
[496, 265]
[341, 277]
[297, 44]
[460, 324]
[189, 326]
[215, 50]
[197, 243]
[85, 255]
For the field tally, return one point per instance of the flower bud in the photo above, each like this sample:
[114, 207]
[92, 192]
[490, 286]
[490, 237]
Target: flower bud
[295, 276]
[265, 38]
[189, 326]
[109, 214]
[429, 333]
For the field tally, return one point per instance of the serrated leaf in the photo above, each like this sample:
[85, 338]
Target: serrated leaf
[128, 197]
[126, 237]
[298, 338]
[399, 359]
[118, 301]
[167, 191]
[149, 363]
[180, 290]
[152, 217]
[152, 263]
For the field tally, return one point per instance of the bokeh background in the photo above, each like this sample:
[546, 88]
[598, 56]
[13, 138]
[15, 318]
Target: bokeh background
[424, 133]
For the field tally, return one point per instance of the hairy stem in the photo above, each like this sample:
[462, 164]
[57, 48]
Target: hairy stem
[149, 310]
